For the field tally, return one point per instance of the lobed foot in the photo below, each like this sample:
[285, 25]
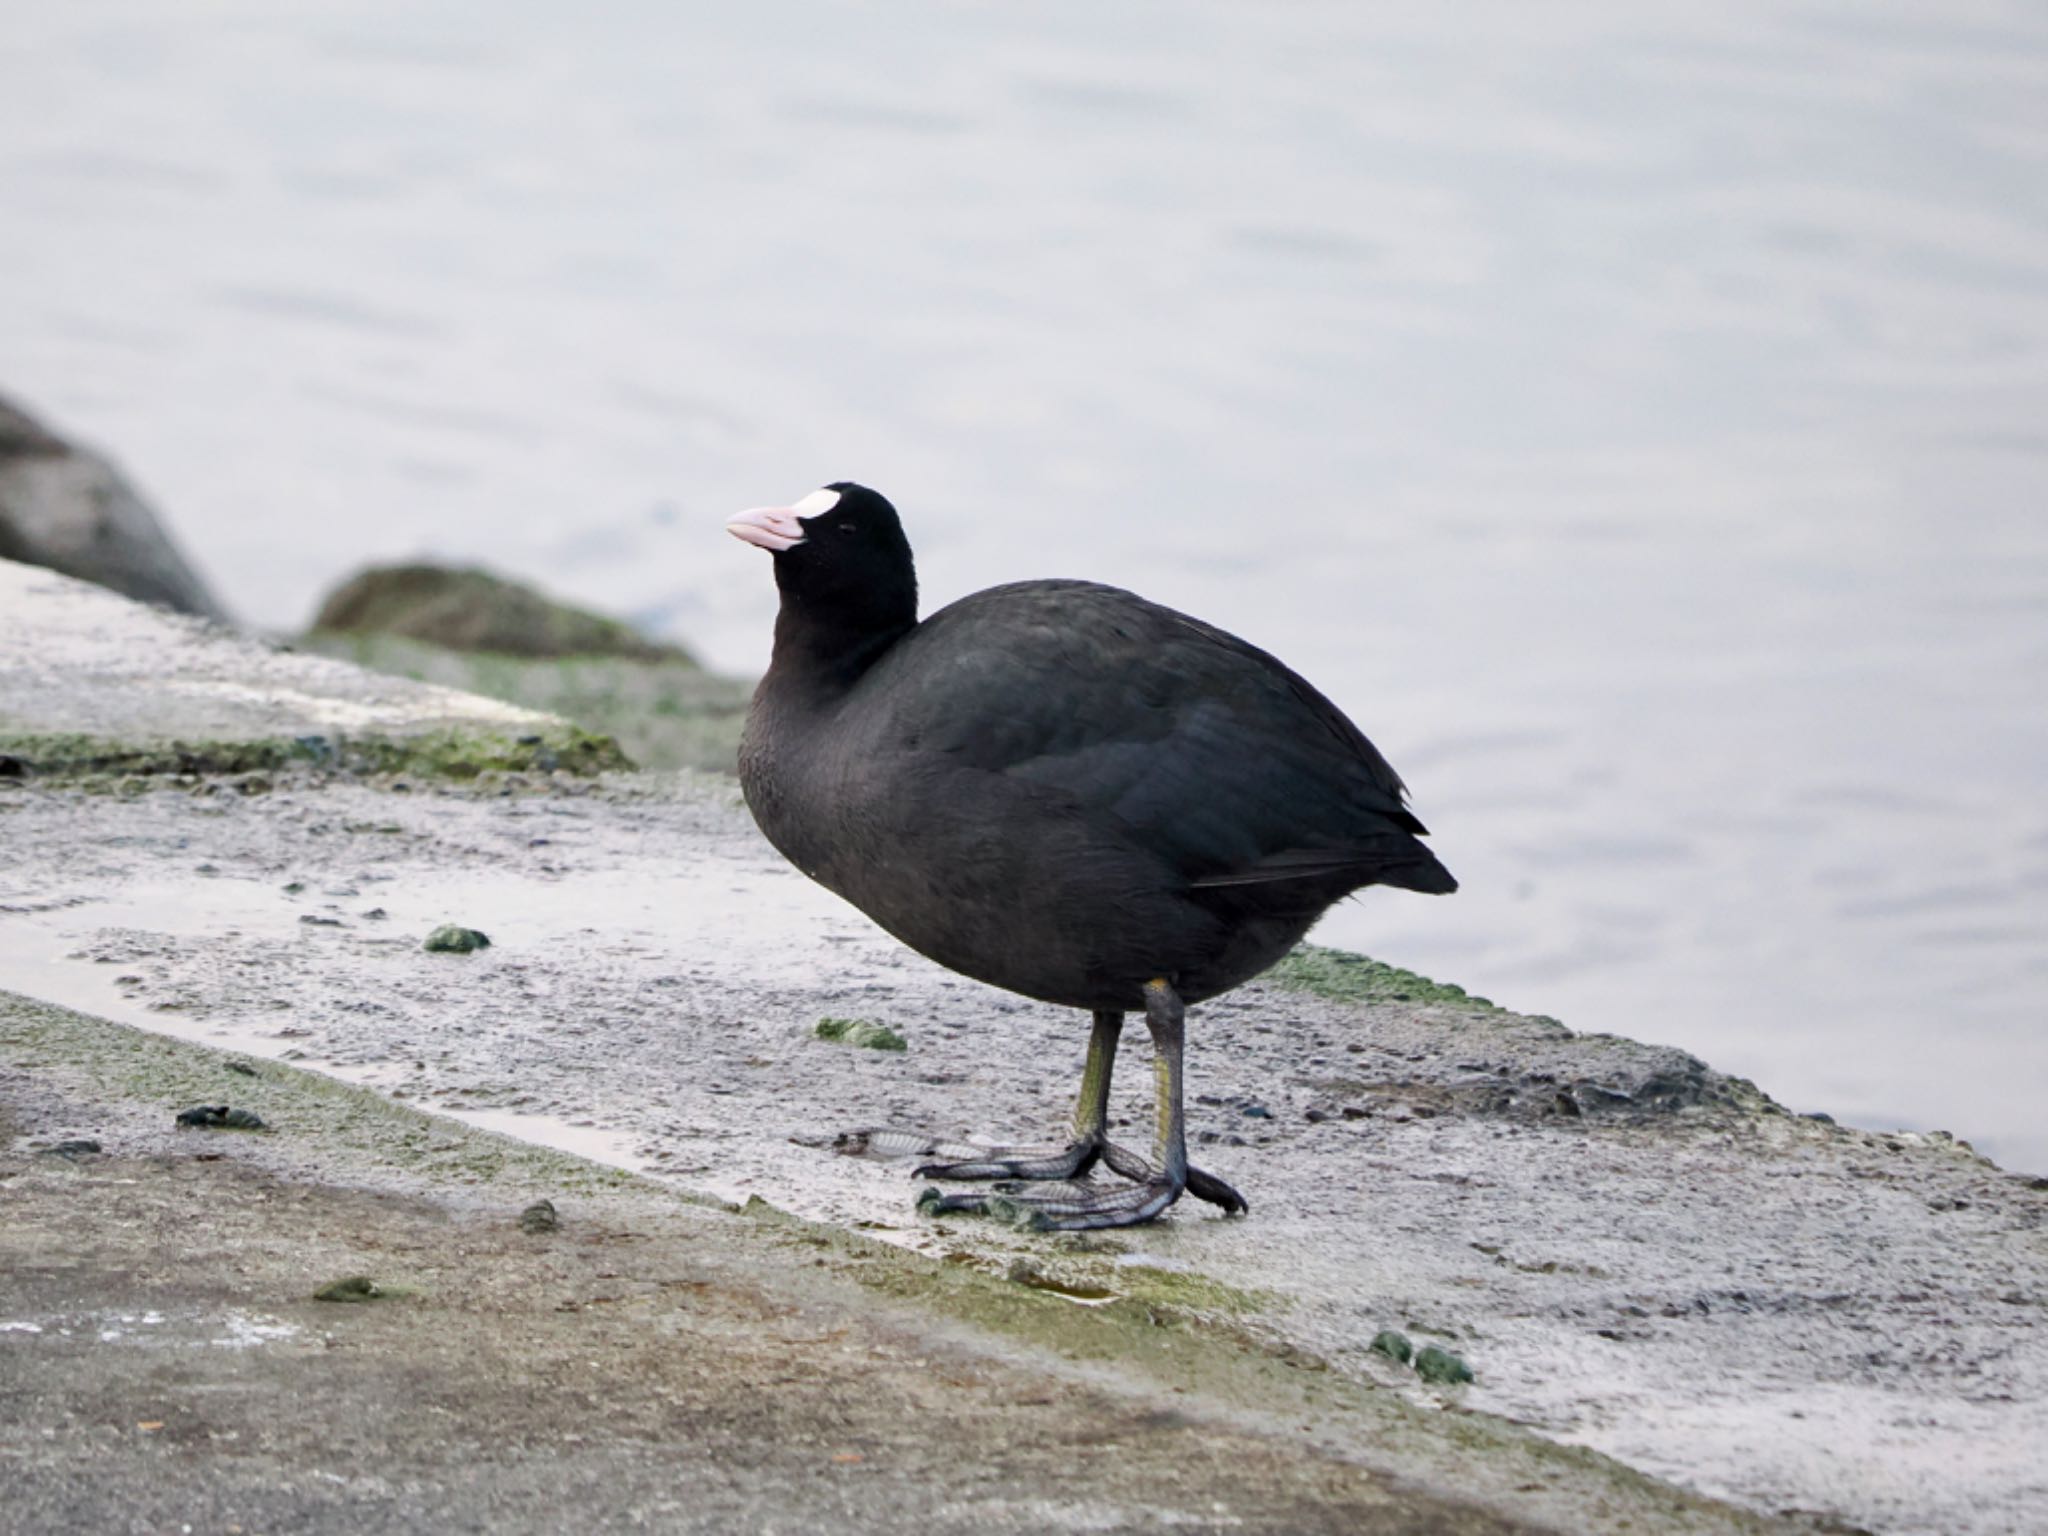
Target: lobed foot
[1070, 1207]
[1028, 1163]
[1079, 1205]
[1016, 1166]
[1203, 1186]
[969, 1160]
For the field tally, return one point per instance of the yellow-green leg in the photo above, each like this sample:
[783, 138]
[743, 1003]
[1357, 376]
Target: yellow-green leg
[1154, 1186]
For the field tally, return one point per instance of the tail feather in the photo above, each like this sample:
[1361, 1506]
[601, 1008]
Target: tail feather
[1427, 875]
[1399, 860]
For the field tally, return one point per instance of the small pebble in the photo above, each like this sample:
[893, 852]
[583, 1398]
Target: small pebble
[861, 1032]
[352, 1288]
[1440, 1365]
[221, 1117]
[448, 939]
[540, 1216]
[1394, 1346]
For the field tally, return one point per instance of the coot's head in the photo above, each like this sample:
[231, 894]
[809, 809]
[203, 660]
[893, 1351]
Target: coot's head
[840, 557]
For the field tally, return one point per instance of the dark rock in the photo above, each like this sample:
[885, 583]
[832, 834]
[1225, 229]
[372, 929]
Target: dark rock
[1683, 1084]
[82, 1146]
[67, 509]
[540, 1216]
[241, 1067]
[448, 939]
[473, 610]
[221, 1117]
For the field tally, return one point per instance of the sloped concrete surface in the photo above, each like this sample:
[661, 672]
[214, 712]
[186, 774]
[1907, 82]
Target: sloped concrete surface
[1635, 1254]
[78, 660]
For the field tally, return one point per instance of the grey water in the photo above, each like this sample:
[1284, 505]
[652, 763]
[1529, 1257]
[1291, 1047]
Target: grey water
[1635, 417]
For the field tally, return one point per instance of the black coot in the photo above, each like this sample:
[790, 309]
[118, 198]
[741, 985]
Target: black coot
[1064, 790]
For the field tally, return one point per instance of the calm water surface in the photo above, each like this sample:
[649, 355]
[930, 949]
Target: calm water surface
[1639, 424]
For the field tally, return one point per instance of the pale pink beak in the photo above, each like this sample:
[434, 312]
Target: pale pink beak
[773, 528]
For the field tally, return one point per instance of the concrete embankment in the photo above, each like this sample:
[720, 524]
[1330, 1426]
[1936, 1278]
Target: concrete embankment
[1654, 1272]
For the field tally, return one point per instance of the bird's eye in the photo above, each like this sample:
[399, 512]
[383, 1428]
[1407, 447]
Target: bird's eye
[849, 527]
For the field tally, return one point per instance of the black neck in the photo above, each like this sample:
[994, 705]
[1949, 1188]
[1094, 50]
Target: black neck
[825, 647]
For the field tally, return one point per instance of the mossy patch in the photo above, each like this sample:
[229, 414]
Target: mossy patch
[1347, 978]
[468, 754]
[443, 754]
[867, 1033]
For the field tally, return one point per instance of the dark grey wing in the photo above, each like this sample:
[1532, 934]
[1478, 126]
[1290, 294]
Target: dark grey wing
[1205, 750]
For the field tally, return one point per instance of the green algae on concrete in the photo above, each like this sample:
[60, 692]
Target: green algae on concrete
[1474, 1454]
[1189, 1291]
[868, 1033]
[1347, 978]
[438, 754]
[1024, 1272]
